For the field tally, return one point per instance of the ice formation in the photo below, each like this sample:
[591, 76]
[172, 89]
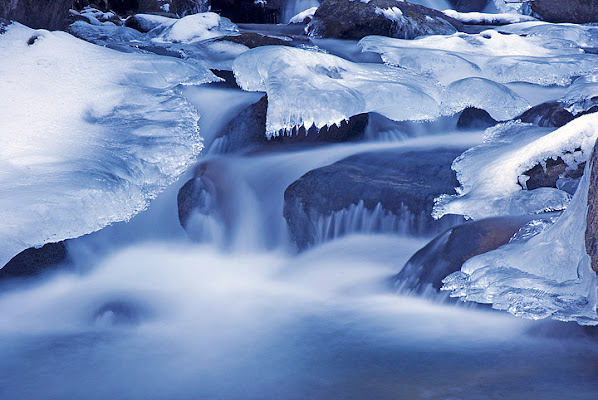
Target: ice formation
[582, 35]
[195, 28]
[548, 275]
[503, 58]
[582, 94]
[89, 135]
[308, 88]
[491, 174]
[299, 18]
[488, 18]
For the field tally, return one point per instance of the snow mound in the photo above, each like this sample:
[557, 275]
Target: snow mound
[503, 58]
[308, 88]
[582, 35]
[479, 18]
[195, 28]
[89, 135]
[547, 275]
[491, 174]
[307, 14]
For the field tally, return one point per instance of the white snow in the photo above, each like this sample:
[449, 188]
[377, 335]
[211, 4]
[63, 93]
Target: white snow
[488, 18]
[582, 35]
[299, 18]
[88, 135]
[491, 175]
[548, 275]
[196, 27]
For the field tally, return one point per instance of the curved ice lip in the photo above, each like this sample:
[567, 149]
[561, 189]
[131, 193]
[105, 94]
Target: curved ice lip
[89, 135]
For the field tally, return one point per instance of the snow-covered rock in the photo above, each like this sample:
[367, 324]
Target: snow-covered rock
[89, 135]
[195, 28]
[303, 17]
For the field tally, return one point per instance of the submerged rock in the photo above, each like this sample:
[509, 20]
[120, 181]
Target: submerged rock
[34, 261]
[574, 11]
[253, 40]
[474, 118]
[447, 252]
[591, 237]
[389, 191]
[346, 19]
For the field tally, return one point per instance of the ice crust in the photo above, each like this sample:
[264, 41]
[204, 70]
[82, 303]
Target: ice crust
[548, 275]
[88, 135]
[491, 174]
[488, 18]
[503, 58]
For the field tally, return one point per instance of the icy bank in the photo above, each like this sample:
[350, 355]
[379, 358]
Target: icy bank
[88, 135]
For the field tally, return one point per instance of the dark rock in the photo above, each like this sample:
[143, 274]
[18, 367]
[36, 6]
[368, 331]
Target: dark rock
[398, 184]
[447, 252]
[35, 261]
[574, 11]
[172, 8]
[549, 115]
[549, 175]
[346, 19]
[253, 40]
[229, 79]
[592, 216]
[37, 14]
[469, 5]
[474, 118]
[248, 129]
[249, 11]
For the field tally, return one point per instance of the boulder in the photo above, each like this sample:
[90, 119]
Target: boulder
[389, 191]
[469, 5]
[548, 115]
[552, 174]
[574, 11]
[474, 118]
[448, 251]
[592, 216]
[347, 19]
[253, 40]
[37, 14]
[250, 11]
[34, 261]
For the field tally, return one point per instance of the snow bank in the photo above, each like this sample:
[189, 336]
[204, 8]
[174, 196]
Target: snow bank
[89, 135]
[480, 18]
[548, 275]
[491, 175]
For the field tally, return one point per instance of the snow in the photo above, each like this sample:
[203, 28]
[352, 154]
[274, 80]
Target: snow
[299, 18]
[582, 94]
[547, 275]
[308, 88]
[88, 135]
[195, 28]
[503, 58]
[491, 174]
[582, 35]
[487, 18]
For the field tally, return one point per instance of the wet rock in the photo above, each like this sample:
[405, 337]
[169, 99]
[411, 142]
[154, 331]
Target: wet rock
[389, 191]
[250, 11]
[253, 40]
[549, 174]
[474, 118]
[447, 252]
[549, 115]
[574, 11]
[346, 19]
[34, 261]
[37, 14]
[469, 5]
[592, 216]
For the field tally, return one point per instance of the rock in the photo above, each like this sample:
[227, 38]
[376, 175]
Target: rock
[388, 191]
[253, 40]
[35, 261]
[592, 216]
[469, 5]
[249, 126]
[474, 118]
[549, 175]
[549, 115]
[37, 14]
[574, 11]
[448, 251]
[250, 11]
[172, 8]
[346, 19]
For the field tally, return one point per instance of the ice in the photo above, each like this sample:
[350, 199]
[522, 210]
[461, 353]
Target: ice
[503, 58]
[582, 35]
[299, 18]
[194, 28]
[491, 174]
[548, 275]
[88, 135]
[582, 94]
[308, 88]
[488, 18]
[498, 100]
